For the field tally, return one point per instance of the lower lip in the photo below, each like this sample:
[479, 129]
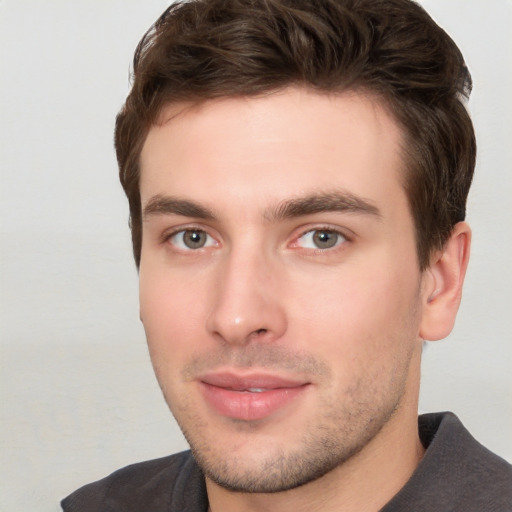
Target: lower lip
[247, 406]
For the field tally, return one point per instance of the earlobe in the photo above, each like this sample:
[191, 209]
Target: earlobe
[442, 284]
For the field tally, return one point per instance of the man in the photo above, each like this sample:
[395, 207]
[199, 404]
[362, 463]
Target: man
[297, 174]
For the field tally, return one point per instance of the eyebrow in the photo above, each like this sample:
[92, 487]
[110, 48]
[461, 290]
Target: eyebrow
[339, 201]
[168, 205]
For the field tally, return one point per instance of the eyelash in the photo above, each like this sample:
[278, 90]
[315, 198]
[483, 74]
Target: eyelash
[326, 229]
[168, 236]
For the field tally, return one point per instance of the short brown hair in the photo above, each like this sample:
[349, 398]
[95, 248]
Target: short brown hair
[205, 49]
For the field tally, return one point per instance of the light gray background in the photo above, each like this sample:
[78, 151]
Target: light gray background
[78, 396]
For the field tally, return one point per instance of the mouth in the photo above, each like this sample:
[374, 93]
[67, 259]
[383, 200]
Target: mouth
[250, 397]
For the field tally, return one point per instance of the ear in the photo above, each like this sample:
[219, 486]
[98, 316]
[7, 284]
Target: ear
[442, 284]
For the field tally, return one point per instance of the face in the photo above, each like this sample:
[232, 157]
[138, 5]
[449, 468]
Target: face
[280, 289]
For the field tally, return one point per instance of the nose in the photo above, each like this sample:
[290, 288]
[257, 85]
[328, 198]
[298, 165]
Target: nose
[247, 303]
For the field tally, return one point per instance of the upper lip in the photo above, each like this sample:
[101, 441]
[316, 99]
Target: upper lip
[240, 382]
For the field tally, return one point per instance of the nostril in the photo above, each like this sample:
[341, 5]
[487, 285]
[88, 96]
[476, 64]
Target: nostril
[260, 331]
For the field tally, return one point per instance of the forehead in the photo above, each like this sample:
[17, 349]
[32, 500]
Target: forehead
[260, 149]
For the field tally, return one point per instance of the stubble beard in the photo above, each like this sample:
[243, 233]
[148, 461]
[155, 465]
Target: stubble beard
[345, 422]
[324, 446]
[320, 453]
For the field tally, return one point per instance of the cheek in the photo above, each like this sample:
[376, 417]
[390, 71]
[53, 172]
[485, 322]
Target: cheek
[360, 312]
[171, 314]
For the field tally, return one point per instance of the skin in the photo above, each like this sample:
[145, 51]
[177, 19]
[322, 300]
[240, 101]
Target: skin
[277, 280]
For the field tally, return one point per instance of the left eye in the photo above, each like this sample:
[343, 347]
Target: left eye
[321, 239]
[192, 239]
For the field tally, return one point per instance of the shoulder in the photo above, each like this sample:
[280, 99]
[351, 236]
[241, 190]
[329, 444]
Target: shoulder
[484, 479]
[158, 485]
[448, 441]
[457, 473]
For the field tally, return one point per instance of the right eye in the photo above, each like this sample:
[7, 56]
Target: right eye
[192, 239]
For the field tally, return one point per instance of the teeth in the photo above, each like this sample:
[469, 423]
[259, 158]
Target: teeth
[255, 390]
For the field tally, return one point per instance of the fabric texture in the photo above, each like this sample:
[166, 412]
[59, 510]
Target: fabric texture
[457, 474]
